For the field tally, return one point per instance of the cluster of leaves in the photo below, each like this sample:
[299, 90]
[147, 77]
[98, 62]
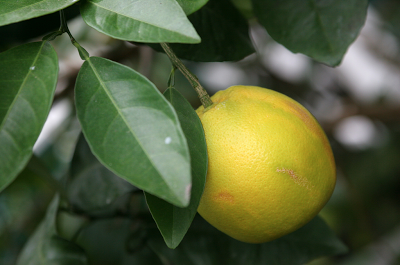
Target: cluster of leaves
[137, 138]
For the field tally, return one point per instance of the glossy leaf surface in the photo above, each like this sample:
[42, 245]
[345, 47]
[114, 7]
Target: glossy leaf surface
[28, 77]
[205, 245]
[45, 247]
[91, 186]
[173, 222]
[133, 130]
[224, 35]
[15, 11]
[321, 29]
[142, 21]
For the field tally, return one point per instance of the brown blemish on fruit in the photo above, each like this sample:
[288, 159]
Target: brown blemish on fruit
[224, 196]
[302, 181]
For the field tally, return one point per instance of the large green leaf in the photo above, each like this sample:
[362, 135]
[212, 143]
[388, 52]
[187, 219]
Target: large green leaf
[224, 35]
[119, 241]
[22, 206]
[25, 31]
[321, 29]
[190, 6]
[133, 130]
[28, 77]
[204, 245]
[91, 186]
[45, 247]
[173, 222]
[14, 11]
[142, 21]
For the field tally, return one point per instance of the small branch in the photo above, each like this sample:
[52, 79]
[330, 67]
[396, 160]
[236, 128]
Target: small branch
[201, 92]
[64, 28]
[59, 32]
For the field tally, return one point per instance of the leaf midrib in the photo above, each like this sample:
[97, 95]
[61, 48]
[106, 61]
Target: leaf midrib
[126, 123]
[141, 21]
[321, 24]
[23, 7]
[21, 87]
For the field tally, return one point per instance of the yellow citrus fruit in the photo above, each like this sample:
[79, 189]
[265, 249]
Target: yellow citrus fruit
[271, 168]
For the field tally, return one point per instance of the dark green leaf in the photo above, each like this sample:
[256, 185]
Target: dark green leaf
[14, 11]
[190, 6]
[63, 252]
[133, 130]
[321, 29]
[173, 222]
[69, 224]
[32, 251]
[28, 77]
[91, 186]
[224, 35]
[245, 7]
[142, 21]
[204, 244]
[25, 31]
[22, 207]
[46, 248]
[117, 241]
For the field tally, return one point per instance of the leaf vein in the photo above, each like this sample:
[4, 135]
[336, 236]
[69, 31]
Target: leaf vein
[21, 87]
[102, 84]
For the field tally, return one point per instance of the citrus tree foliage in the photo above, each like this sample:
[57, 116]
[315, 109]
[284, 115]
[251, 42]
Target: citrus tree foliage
[135, 139]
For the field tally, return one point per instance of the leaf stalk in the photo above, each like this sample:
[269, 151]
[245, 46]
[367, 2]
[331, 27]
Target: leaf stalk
[193, 80]
[82, 52]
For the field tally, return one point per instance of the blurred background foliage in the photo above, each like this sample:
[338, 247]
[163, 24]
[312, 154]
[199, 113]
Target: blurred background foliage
[357, 104]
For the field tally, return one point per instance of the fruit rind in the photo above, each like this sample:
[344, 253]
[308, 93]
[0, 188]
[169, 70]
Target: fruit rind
[271, 168]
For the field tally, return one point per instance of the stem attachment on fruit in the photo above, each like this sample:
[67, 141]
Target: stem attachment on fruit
[194, 81]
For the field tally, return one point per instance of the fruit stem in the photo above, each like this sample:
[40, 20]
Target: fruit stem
[193, 80]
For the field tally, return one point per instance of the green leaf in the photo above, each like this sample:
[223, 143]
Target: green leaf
[119, 241]
[15, 11]
[46, 229]
[313, 240]
[203, 244]
[321, 29]
[173, 222]
[133, 130]
[25, 31]
[28, 77]
[45, 247]
[63, 252]
[19, 202]
[91, 186]
[142, 21]
[224, 35]
[190, 6]
[245, 7]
